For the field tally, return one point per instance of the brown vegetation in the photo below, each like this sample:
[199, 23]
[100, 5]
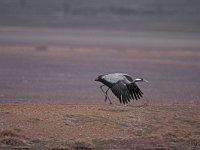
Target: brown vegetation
[70, 126]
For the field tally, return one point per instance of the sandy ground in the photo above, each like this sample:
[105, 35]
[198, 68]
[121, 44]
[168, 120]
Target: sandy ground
[100, 126]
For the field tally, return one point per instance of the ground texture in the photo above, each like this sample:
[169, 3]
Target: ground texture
[99, 126]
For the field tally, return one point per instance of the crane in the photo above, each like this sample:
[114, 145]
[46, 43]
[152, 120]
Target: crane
[122, 85]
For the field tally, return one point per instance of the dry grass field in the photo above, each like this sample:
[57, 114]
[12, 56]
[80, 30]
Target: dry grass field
[99, 126]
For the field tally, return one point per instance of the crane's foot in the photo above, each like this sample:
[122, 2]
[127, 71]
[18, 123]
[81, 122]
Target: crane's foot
[106, 99]
[109, 100]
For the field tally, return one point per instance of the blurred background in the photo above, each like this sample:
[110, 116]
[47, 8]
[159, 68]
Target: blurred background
[52, 50]
[171, 15]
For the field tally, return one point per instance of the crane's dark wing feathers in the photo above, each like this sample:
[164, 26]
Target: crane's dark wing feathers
[128, 77]
[125, 92]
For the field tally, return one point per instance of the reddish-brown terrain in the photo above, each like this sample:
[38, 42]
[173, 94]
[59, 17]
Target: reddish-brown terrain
[100, 126]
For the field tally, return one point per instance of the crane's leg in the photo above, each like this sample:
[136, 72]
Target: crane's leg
[101, 87]
[105, 93]
[108, 96]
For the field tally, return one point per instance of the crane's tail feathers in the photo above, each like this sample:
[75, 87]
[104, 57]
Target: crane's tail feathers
[134, 91]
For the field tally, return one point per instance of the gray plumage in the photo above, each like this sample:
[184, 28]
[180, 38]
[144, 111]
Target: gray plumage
[122, 85]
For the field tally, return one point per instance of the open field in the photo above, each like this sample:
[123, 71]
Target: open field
[100, 126]
[49, 100]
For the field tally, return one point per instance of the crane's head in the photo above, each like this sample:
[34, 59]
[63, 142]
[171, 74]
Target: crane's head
[140, 80]
[99, 78]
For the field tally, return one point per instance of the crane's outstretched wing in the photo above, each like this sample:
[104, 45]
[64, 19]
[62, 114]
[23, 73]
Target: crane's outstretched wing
[134, 91]
[126, 91]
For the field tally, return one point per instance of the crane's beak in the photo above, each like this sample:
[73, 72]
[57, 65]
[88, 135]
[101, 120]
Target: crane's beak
[145, 80]
[97, 79]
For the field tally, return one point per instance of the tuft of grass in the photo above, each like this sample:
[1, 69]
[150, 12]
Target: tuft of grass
[59, 148]
[13, 141]
[79, 145]
[143, 131]
[17, 130]
[8, 133]
[172, 137]
[191, 122]
[35, 141]
[194, 141]
[100, 143]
